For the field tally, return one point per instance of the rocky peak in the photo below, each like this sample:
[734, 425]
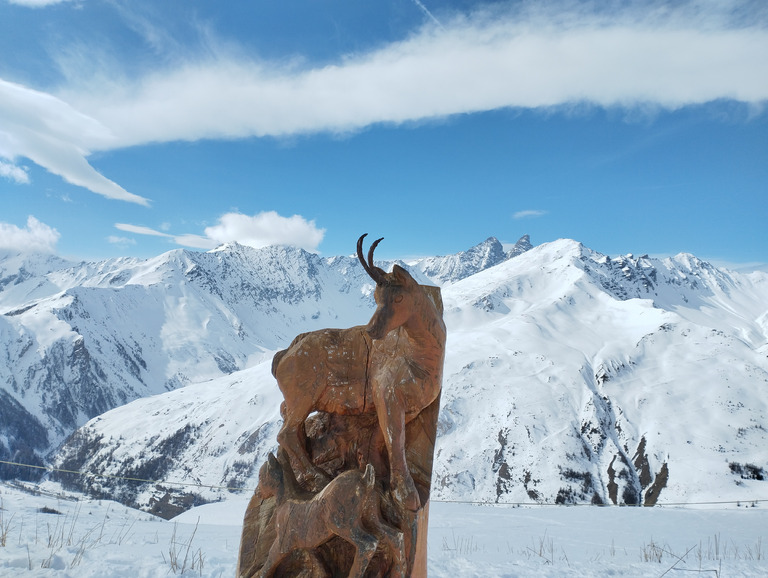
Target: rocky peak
[523, 244]
[451, 268]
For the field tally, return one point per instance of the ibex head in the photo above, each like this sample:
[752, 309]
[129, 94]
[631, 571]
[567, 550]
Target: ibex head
[395, 293]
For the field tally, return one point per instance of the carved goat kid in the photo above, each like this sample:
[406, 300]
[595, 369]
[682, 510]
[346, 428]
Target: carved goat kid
[348, 507]
[391, 367]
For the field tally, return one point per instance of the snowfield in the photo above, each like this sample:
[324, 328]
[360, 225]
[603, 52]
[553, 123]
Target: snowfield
[571, 378]
[54, 534]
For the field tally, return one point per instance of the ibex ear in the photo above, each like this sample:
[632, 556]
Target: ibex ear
[275, 468]
[402, 276]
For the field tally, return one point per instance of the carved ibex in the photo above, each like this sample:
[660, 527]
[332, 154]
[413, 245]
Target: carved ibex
[391, 367]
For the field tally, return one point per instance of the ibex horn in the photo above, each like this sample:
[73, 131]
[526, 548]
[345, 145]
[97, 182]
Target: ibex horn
[376, 273]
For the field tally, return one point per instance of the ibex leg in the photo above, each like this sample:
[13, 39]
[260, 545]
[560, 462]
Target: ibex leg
[365, 546]
[395, 546]
[391, 415]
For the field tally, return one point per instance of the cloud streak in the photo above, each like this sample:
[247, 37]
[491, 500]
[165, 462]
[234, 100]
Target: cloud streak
[54, 135]
[260, 230]
[185, 240]
[427, 13]
[470, 64]
[528, 214]
[122, 241]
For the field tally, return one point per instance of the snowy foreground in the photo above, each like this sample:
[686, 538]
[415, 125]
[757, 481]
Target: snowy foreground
[53, 534]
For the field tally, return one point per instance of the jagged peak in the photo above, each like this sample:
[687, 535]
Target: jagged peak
[489, 242]
[522, 245]
[689, 261]
[231, 246]
[235, 248]
[524, 241]
[491, 247]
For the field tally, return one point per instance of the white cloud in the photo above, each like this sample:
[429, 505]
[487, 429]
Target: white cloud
[748, 267]
[52, 134]
[260, 230]
[124, 241]
[659, 55]
[266, 228]
[528, 214]
[36, 236]
[14, 173]
[472, 64]
[194, 241]
[185, 240]
[140, 230]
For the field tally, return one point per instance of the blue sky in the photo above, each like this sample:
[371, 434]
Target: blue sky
[136, 127]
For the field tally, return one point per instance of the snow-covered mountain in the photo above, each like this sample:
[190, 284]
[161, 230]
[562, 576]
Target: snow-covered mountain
[446, 270]
[79, 339]
[621, 380]
[570, 376]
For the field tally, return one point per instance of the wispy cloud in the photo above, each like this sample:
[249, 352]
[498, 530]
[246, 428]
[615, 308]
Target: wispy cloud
[528, 214]
[14, 173]
[666, 56]
[122, 242]
[427, 13]
[260, 230]
[140, 230]
[747, 267]
[56, 136]
[185, 240]
[36, 236]
[474, 64]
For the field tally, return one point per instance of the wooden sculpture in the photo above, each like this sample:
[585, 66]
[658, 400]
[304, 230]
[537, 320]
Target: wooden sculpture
[348, 507]
[363, 398]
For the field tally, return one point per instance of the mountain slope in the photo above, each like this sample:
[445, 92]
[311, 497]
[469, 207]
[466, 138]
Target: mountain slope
[570, 376]
[216, 433]
[607, 380]
[82, 338]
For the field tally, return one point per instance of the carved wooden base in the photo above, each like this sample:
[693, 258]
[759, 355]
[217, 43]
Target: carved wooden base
[338, 444]
[332, 559]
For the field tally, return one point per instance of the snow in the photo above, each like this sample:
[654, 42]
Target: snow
[561, 366]
[103, 539]
[567, 372]
[561, 362]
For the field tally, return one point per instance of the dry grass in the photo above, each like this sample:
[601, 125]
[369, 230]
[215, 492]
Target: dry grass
[192, 560]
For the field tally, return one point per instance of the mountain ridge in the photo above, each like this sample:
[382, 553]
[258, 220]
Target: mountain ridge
[81, 338]
[570, 377]
[452, 268]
